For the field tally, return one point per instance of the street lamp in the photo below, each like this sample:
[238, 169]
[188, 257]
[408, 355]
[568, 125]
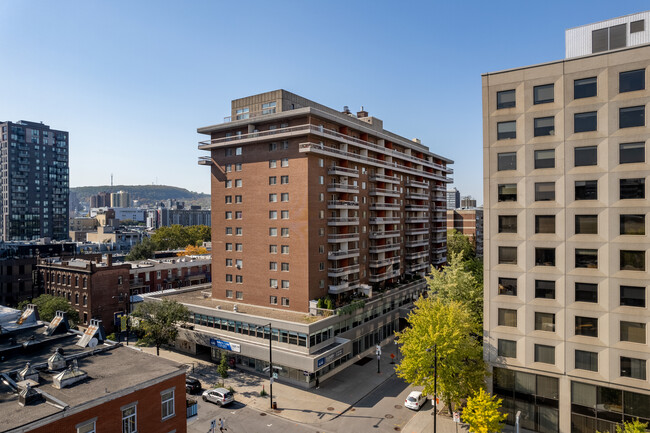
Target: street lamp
[435, 384]
[270, 360]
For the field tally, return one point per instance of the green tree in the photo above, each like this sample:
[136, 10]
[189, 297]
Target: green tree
[634, 426]
[449, 326]
[160, 321]
[141, 251]
[457, 243]
[177, 236]
[48, 305]
[482, 413]
[222, 369]
[199, 234]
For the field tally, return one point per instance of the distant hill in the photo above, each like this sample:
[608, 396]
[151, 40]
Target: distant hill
[146, 194]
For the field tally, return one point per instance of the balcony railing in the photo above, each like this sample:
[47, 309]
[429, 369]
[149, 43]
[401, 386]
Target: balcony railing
[384, 178]
[384, 192]
[339, 272]
[417, 267]
[417, 196]
[342, 254]
[415, 220]
[383, 248]
[417, 184]
[343, 286]
[417, 243]
[385, 220]
[381, 234]
[383, 262]
[418, 231]
[342, 204]
[417, 207]
[346, 237]
[342, 221]
[385, 276]
[384, 206]
[205, 160]
[418, 255]
[342, 187]
[342, 171]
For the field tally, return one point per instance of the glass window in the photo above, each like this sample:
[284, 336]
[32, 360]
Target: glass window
[506, 130]
[632, 260]
[543, 94]
[632, 224]
[129, 420]
[545, 191]
[507, 161]
[586, 190]
[507, 223]
[507, 348]
[88, 427]
[632, 296]
[508, 286]
[586, 360]
[508, 255]
[586, 292]
[630, 81]
[507, 192]
[584, 156]
[507, 317]
[506, 99]
[544, 289]
[586, 258]
[167, 398]
[586, 224]
[545, 354]
[586, 326]
[544, 223]
[633, 332]
[544, 256]
[544, 126]
[630, 117]
[545, 158]
[585, 88]
[634, 368]
[273, 180]
[632, 188]
[631, 152]
[583, 122]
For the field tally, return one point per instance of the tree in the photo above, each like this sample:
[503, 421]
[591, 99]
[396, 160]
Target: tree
[177, 236]
[192, 250]
[160, 321]
[635, 426]
[457, 243]
[222, 369]
[48, 305]
[450, 327]
[482, 413]
[141, 251]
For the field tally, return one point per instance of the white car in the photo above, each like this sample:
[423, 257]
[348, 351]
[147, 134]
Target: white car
[220, 396]
[415, 400]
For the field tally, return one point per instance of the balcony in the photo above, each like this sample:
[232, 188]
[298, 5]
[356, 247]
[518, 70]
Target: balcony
[440, 188]
[383, 262]
[415, 220]
[342, 254]
[439, 260]
[342, 221]
[417, 207]
[385, 220]
[384, 192]
[439, 230]
[416, 243]
[417, 196]
[384, 206]
[343, 286]
[439, 250]
[342, 204]
[417, 231]
[346, 237]
[385, 276]
[383, 178]
[383, 248]
[205, 160]
[341, 272]
[342, 187]
[342, 171]
[418, 266]
[417, 184]
[382, 234]
[418, 255]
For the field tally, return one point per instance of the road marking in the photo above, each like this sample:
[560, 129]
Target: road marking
[269, 425]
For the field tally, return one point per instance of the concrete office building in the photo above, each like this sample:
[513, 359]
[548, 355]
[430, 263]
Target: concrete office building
[566, 232]
[453, 198]
[34, 182]
[120, 199]
[467, 202]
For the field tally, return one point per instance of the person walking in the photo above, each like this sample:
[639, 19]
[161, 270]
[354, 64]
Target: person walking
[222, 425]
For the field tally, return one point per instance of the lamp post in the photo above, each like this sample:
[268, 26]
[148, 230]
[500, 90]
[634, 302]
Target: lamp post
[270, 360]
[435, 385]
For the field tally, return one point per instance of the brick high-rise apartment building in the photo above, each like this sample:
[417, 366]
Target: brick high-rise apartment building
[566, 231]
[34, 182]
[308, 201]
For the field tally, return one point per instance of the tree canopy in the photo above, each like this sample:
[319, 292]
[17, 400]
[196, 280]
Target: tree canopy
[48, 305]
[142, 251]
[177, 236]
[192, 250]
[160, 321]
[634, 426]
[459, 243]
[482, 413]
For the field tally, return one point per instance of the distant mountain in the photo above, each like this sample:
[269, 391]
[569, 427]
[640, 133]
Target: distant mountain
[146, 194]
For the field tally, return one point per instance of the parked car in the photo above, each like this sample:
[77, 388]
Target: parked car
[415, 400]
[192, 385]
[220, 396]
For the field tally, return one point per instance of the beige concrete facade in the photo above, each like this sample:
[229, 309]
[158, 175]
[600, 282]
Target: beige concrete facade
[608, 274]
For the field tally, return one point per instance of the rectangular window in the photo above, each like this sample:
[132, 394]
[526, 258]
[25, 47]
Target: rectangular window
[273, 300]
[584, 156]
[239, 295]
[228, 278]
[284, 180]
[507, 161]
[585, 88]
[544, 223]
[284, 162]
[228, 230]
[629, 81]
[285, 302]
[273, 163]
[129, 419]
[543, 94]
[228, 246]
[268, 108]
[229, 215]
[545, 354]
[285, 267]
[544, 256]
[273, 180]
[239, 247]
[631, 152]
[507, 223]
[284, 249]
[238, 199]
[273, 214]
[229, 262]
[273, 146]
[273, 231]
[634, 368]
[586, 258]
[586, 326]
[544, 289]
[632, 224]
[284, 232]
[632, 188]
[273, 249]
[273, 266]
[507, 192]
[507, 317]
[238, 183]
[508, 286]
[544, 191]
[228, 199]
[167, 398]
[632, 260]
[273, 198]
[544, 126]
[632, 296]
[238, 215]
[630, 117]
[586, 292]
[228, 183]
[633, 332]
[284, 196]
[506, 99]
[506, 130]
[586, 190]
[284, 214]
[586, 224]
[544, 322]
[508, 255]
[507, 348]
[545, 158]
[637, 26]
[584, 122]
[87, 427]
[586, 360]
[238, 166]
[285, 284]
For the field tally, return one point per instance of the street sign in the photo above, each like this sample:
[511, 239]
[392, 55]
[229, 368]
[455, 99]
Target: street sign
[456, 417]
[305, 373]
[275, 375]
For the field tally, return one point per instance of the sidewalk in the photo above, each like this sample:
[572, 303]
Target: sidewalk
[422, 422]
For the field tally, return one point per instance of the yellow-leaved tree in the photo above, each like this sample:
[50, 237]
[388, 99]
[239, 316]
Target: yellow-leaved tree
[482, 413]
[192, 250]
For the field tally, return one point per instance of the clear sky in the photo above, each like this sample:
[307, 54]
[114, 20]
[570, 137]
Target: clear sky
[132, 80]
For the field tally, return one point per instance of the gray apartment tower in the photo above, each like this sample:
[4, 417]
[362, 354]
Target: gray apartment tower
[34, 181]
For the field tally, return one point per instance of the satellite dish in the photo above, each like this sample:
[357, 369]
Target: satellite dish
[93, 343]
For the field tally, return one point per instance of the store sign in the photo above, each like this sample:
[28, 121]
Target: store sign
[233, 347]
[329, 358]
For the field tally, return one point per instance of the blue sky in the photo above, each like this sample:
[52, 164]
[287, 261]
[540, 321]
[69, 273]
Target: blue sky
[132, 80]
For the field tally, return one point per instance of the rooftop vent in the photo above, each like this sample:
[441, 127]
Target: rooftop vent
[346, 110]
[59, 324]
[56, 361]
[94, 334]
[29, 396]
[28, 373]
[70, 376]
[362, 113]
[29, 316]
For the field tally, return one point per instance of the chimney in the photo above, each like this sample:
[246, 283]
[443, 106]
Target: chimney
[109, 260]
[29, 396]
[346, 110]
[69, 376]
[56, 361]
[362, 113]
[28, 373]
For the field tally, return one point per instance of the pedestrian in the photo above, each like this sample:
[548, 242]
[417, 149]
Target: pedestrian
[222, 425]
[317, 383]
